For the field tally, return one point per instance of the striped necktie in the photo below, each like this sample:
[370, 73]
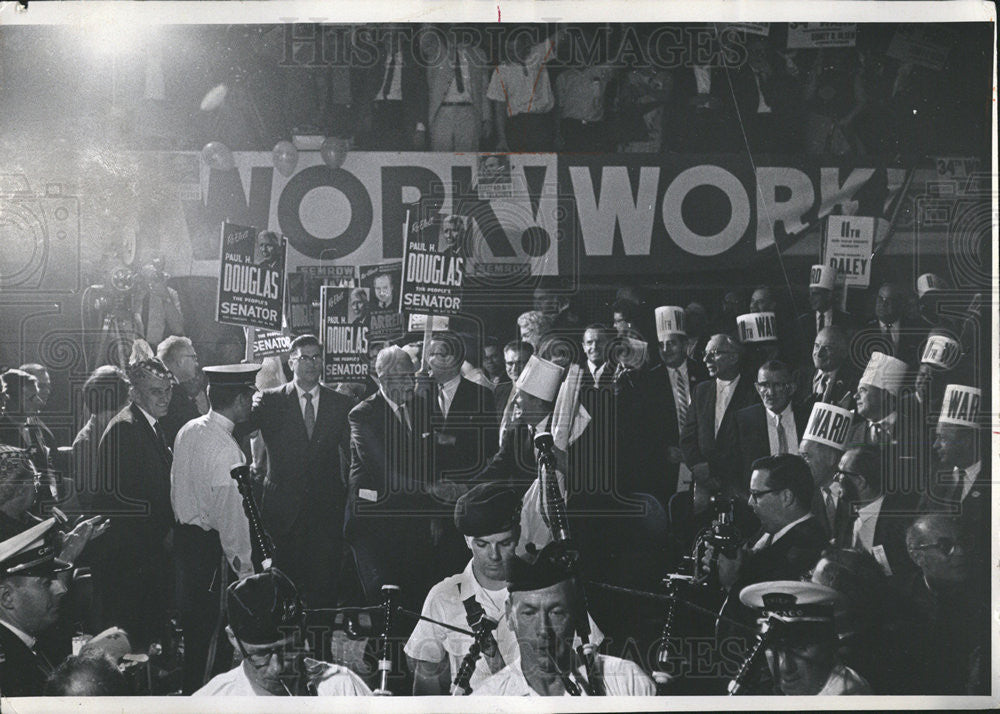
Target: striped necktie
[681, 397]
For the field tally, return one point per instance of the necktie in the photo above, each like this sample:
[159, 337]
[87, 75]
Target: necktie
[831, 511]
[820, 321]
[876, 434]
[309, 415]
[161, 437]
[442, 402]
[459, 83]
[404, 416]
[856, 524]
[956, 489]
[681, 397]
[390, 67]
[570, 685]
[782, 439]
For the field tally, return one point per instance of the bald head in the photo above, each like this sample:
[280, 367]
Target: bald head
[830, 348]
[393, 361]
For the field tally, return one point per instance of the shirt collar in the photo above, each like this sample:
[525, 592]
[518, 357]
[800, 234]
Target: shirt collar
[223, 421]
[724, 384]
[301, 392]
[391, 403]
[776, 536]
[972, 472]
[27, 639]
[682, 368]
[149, 417]
[872, 509]
[771, 416]
[451, 386]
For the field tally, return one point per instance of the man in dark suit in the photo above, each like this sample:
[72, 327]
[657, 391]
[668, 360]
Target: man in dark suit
[304, 428]
[790, 540]
[396, 88]
[833, 377]
[464, 427]
[388, 486]
[21, 399]
[822, 312]
[30, 594]
[666, 389]
[897, 335]
[880, 519]
[775, 425]
[131, 568]
[709, 433]
[188, 400]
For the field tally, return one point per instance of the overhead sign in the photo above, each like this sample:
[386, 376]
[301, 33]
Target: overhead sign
[251, 277]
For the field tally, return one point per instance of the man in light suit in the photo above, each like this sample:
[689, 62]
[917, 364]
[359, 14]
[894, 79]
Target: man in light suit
[458, 112]
[304, 428]
[709, 434]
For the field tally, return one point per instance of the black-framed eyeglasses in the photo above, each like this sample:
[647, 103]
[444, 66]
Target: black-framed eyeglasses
[756, 495]
[308, 358]
[260, 659]
[945, 545]
[839, 475]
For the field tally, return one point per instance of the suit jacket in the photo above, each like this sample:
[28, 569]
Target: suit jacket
[441, 74]
[911, 337]
[413, 80]
[793, 554]
[180, 411]
[501, 393]
[135, 480]
[894, 518]
[702, 444]
[388, 464]
[472, 420]
[806, 324]
[303, 474]
[515, 463]
[751, 432]
[844, 382]
[22, 672]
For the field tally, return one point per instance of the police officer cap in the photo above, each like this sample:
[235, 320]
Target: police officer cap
[264, 609]
[487, 509]
[231, 375]
[801, 612]
[548, 569]
[32, 552]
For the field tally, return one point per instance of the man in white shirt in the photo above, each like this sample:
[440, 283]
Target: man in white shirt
[209, 510]
[541, 611]
[775, 425]
[265, 627]
[595, 346]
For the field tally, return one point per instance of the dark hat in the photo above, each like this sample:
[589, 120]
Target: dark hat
[32, 552]
[150, 367]
[264, 608]
[548, 569]
[13, 461]
[803, 611]
[487, 509]
[231, 375]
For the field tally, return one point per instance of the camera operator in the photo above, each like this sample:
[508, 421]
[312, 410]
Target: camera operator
[791, 538]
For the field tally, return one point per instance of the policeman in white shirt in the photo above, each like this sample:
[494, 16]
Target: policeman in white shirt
[209, 509]
[801, 639]
[541, 612]
[265, 626]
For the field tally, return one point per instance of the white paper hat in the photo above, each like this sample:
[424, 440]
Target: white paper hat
[757, 327]
[540, 378]
[941, 351]
[885, 372]
[822, 276]
[417, 322]
[929, 282]
[669, 321]
[828, 424]
[961, 405]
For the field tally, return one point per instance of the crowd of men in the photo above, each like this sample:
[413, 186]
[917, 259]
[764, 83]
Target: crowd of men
[816, 480]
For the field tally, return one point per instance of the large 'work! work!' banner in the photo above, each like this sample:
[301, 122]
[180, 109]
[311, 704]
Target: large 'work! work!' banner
[567, 215]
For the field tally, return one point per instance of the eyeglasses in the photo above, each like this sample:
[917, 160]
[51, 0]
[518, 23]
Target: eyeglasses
[714, 354]
[308, 358]
[945, 545]
[261, 658]
[755, 495]
[772, 386]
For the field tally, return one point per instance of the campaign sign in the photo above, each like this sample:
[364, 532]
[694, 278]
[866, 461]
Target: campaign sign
[811, 35]
[433, 266]
[849, 244]
[251, 277]
[385, 320]
[303, 293]
[268, 343]
[344, 320]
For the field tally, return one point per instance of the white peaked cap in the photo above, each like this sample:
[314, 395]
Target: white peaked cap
[829, 425]
[929, 282]
[757, 327]
[669, 321]
[961, 405]
[540, 378]
[885, 372]
[822, 276]
[417, 322]
[941, 351]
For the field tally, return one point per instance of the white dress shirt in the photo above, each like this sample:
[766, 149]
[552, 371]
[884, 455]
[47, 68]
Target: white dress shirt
[723, 395]
[302, 399]
[864, 525]
[203, 493]
[596, 370]
[621, 677]
[454, 96]
[971, 474]
[524, 89]
[337, 681]
[788, 425]
[446, 394]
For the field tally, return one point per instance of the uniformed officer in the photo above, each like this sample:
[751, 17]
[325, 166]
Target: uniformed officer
[30, 594]
[265, 626]
[541, 611]
[209, 510]
[797, 622]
